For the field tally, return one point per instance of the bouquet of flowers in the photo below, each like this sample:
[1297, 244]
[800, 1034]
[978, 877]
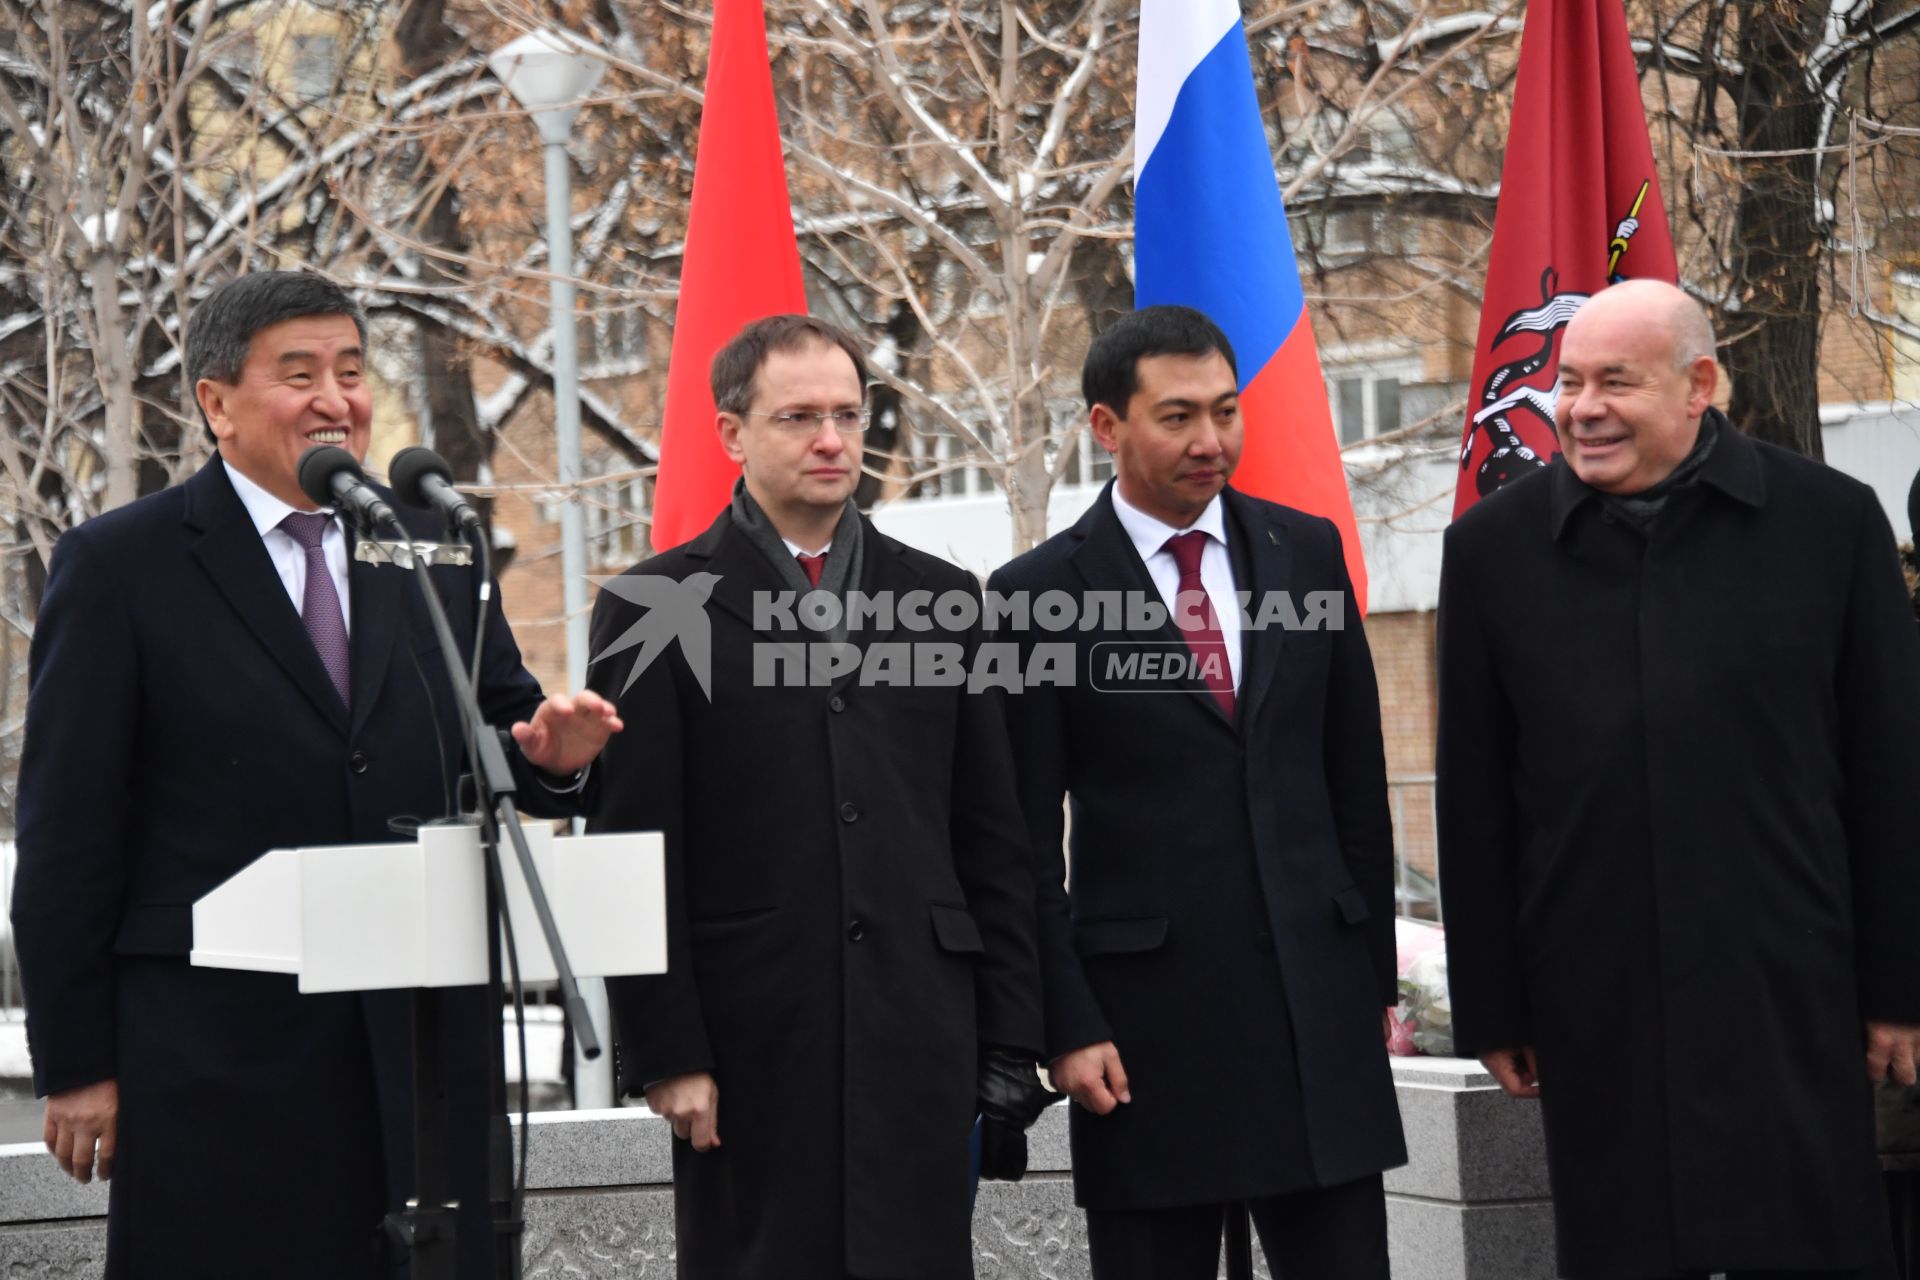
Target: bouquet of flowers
[1423, 1020]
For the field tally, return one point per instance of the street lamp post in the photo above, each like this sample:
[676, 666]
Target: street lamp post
[548, 72]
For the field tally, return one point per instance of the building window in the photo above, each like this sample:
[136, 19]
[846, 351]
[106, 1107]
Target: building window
[613, 513]
[614, 334]
[1377, 399]
[1089, 465]
[1906, 347]
[1349, 232]
[1384, 139]
[313, 67]
[949, 481]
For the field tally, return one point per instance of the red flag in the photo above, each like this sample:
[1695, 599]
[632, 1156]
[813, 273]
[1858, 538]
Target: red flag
[1579, 208]
[740, 263]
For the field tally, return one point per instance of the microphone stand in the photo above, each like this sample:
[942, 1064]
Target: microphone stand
[426, 1225]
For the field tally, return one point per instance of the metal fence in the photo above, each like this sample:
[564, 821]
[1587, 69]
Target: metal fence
[1416, 889]
[11, 1003]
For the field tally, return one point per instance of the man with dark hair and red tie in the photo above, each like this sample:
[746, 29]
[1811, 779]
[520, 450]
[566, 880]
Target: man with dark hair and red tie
[215, 675]
[850, 960]
[1217, 968]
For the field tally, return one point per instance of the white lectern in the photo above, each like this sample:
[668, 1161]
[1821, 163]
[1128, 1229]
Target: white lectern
[379, 916]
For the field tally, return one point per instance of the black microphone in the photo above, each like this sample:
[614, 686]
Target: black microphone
[422, 478]
[329, 475]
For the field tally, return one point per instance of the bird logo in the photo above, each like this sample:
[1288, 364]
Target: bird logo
[671, 610]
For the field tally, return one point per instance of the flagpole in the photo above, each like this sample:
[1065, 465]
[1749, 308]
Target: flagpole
[549, 73]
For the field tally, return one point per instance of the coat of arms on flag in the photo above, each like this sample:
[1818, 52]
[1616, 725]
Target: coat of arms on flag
[1579, 209]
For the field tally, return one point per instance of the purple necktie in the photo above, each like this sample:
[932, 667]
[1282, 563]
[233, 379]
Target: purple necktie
[320, 604]
[1199, 623]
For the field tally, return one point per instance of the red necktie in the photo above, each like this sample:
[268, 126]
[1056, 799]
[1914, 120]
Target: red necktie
[812, 565]
[1198, 621]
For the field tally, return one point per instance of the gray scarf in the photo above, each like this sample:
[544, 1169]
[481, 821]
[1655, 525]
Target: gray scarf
[841, 570]
[1639, 510]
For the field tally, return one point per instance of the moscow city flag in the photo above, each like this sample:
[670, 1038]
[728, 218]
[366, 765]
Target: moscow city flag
[1210, 232]
[1579, 209]
[740, 263]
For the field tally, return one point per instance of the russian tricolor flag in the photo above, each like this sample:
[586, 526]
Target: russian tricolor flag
[1210, 232]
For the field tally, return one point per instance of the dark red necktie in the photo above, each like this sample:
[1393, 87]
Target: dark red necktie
[1198, 620]
[813, 565]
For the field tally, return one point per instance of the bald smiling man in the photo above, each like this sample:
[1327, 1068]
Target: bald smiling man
[1679, 686]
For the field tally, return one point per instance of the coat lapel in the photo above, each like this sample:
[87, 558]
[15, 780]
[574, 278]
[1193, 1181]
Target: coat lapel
[230, 551]
[882, 570]
[1270, 561]
[1107, 558]
[743, 571]
[378, 592]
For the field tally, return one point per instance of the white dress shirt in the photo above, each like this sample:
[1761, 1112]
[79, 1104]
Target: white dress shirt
[1150, 534]
[289, 557]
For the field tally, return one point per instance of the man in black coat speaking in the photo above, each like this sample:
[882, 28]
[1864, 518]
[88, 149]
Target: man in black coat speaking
[850, 957]
[213, 676]
[1217, 970]
[1679, 694]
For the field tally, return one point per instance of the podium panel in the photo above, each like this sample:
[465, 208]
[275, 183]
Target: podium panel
[609, 899]
[258, 930]
[386, 916]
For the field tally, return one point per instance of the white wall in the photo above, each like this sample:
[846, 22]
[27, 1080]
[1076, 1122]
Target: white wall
[1880, 445]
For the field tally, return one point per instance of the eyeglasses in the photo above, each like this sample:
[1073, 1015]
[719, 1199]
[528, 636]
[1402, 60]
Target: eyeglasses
[848, 422]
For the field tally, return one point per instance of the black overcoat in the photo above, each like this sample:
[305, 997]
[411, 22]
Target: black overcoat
[1677, 852]
[179, 725]
[1229, 920]
[850, 914]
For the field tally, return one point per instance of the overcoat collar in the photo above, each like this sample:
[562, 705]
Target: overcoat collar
[1733, 467]
[743, 570]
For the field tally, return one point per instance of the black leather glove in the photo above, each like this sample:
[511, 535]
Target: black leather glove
[1011, 1099]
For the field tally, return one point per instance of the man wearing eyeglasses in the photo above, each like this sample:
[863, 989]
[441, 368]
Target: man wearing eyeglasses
[852, 972]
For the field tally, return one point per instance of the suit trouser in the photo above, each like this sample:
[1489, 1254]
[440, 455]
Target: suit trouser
[1331, 1233]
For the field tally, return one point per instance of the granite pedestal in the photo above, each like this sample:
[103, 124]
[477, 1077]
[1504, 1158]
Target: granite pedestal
[1472, 1205]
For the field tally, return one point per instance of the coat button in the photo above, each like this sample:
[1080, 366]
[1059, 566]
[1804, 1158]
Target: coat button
[836, 703]
[856, 930]
[848, 813]
[357, 762]
[1265, 940]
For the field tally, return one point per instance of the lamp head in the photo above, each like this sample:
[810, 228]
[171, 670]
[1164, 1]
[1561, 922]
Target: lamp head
[548, 69]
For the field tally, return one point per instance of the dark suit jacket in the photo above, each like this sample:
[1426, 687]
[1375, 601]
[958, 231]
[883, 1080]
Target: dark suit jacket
[1229, 919]
[179, 725]
[1677, 849]
[850, 914]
